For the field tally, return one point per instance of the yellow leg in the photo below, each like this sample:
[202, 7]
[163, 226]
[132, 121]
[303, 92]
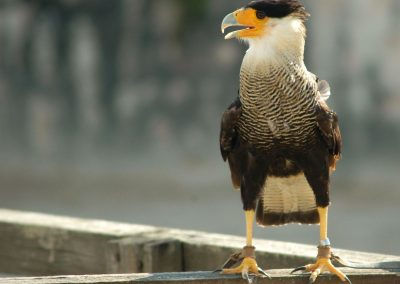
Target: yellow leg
[323, 223]
[249, 264]
[323, 261]
[249, 227]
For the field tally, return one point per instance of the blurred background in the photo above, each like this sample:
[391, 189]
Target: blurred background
[111, 110]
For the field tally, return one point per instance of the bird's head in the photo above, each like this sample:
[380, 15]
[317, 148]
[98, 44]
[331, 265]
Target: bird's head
[277, 23]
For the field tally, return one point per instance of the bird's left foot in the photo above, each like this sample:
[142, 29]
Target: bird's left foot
[323, 264]
[247, 266]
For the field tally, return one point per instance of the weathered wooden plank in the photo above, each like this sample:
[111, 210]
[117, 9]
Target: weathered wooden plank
[40, 244]
[154, 253]
[208, 251]
[211, 250]
[163, 256]
[278, 276]
[98, 227]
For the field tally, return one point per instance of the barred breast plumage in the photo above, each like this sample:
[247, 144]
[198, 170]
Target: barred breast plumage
[278, 105]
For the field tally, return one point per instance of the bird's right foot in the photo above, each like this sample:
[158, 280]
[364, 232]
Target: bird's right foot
[246, 268]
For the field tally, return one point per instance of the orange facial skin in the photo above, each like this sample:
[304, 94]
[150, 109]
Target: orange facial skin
[248, 17]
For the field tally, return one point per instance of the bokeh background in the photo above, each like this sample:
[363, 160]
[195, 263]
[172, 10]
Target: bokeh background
[110, 109]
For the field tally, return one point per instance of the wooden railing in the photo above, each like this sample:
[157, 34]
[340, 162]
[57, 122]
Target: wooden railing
[94, 251]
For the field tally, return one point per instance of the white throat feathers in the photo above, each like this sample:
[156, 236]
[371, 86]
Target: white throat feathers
[283, 42]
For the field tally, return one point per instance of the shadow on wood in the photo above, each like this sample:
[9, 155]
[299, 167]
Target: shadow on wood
[33, 244]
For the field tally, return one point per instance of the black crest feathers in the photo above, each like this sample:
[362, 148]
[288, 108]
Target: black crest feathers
[279, 8]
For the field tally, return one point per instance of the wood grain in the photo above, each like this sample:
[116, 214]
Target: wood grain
[278, 276]
[35, 244]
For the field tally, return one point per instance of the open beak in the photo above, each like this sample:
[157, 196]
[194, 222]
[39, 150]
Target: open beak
[231, 20]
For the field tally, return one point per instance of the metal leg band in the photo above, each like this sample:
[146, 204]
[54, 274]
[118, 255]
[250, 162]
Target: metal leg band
[324, 252]
[249, 251]
[324, 243]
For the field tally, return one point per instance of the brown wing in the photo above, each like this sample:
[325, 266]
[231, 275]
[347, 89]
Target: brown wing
[328, 125]
[229, 139]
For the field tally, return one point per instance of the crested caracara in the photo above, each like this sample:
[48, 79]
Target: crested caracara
[279, 137]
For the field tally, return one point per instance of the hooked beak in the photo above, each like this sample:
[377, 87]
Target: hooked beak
[230, 20]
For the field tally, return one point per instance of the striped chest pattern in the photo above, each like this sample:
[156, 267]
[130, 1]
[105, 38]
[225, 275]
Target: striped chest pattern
[278, 105]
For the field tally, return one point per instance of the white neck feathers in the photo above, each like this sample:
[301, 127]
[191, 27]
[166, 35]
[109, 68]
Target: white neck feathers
[282, 42]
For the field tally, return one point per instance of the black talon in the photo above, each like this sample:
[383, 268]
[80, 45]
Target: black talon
[264, 273]
[311, 281]
[232, 260]
[347, 279]
[336, 258]
[247, 277]
[301, 268]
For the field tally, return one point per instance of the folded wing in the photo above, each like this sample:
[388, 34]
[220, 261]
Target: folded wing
[328, 125]
[229, 139]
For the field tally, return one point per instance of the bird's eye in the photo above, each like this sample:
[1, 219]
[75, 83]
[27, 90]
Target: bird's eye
[260, 15]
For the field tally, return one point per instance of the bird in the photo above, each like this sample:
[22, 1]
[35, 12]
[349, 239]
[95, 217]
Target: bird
[280, 138]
